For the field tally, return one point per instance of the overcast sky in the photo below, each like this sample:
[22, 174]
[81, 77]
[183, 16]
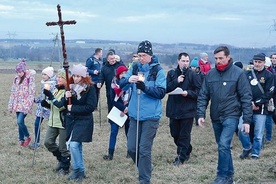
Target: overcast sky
[242, 23]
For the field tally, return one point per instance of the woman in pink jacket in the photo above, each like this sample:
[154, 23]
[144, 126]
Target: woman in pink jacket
[22, 99]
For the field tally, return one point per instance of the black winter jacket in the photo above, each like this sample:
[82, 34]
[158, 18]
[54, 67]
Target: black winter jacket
[80, 120]
[107, 73]
[266, 80]
[178, 106]
[229, 92]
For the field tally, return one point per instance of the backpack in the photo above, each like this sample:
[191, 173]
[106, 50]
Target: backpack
[152, 73]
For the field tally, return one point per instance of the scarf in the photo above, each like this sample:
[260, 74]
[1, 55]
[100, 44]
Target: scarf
[221, 67]
[77, 89]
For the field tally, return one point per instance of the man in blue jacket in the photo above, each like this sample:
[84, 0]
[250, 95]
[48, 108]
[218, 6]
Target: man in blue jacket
[228, 89]
[147, 93]
[94, 65]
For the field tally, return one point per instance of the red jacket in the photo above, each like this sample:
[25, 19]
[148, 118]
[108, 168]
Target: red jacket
[204, 67]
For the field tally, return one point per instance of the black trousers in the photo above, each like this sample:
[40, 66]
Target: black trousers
[180, 130]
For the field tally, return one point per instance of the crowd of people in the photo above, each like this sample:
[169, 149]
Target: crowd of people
[242, 101]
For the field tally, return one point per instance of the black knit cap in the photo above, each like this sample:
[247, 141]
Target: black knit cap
[145, 47]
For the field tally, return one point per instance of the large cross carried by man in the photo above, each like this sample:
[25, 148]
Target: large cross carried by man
[60, 23]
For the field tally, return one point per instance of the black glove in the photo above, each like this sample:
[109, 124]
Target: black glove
[48, 94]
[45, 104]
[140, 85]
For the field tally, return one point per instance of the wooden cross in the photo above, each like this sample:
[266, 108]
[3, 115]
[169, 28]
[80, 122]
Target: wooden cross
[61, 23]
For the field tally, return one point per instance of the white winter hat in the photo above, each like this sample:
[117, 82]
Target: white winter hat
[267, 62]
[79, 70]
[49, 71]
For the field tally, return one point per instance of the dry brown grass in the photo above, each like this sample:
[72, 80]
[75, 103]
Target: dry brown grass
[16, 161]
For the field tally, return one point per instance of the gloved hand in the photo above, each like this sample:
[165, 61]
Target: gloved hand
[140, 85]
[48, 94]
[45, 104]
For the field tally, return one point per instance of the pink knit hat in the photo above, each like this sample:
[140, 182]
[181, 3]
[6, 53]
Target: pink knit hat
[79, 70]
[21, 67]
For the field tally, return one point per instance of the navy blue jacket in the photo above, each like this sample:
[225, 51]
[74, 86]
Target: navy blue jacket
[80, 120]
[92, 64]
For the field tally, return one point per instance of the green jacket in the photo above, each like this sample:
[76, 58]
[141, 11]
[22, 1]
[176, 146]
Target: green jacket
[55, 119]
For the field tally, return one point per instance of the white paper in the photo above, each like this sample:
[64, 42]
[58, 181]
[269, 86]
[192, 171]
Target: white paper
[114, 115]
[177, 91]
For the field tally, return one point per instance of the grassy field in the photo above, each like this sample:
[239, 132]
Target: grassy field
[16, 162]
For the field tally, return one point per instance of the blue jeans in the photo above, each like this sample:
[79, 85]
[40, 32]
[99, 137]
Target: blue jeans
[259, 123]
[268, 127]
[224, 133]
[146, 134]
[113, 135]
[22, 128]
[38, 121]
[77, 156]
[114, 132]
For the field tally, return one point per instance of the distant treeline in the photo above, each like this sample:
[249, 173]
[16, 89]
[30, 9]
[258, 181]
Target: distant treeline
[79, 51]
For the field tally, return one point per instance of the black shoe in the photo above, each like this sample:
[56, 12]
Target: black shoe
[108, 157]
[177, 162]
[219, 180]
[245, 153]
[63, 172]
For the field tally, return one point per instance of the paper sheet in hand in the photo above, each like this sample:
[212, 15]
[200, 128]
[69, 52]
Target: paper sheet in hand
[177, 91]
[114, 115]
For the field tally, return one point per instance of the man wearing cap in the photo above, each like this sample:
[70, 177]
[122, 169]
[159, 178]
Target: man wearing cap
[262, 86]
[228, 90]
[147, 93]
[203, 63]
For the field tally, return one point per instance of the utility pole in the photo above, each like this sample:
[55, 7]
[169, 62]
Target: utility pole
[11, 39]
[56, 41]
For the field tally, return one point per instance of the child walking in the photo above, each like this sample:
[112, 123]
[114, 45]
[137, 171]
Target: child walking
[120, 100]
[48, 76]
[56, 124]
[22, 99]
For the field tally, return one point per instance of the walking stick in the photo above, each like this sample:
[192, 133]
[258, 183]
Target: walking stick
[36, 137]
[137, 127]
[100, 108]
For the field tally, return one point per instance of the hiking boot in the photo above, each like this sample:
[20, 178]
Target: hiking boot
[76, 175]
[27, 141]
[34, 145]
[245, 153]
[63, 172]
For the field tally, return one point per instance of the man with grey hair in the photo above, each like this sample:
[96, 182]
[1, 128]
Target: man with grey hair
[203, 63]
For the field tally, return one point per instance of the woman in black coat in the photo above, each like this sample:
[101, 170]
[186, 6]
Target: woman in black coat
[79, 119]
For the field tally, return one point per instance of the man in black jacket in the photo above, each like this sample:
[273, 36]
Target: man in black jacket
[262, 86]
[107, 74]
[181, 108]
[230, 94]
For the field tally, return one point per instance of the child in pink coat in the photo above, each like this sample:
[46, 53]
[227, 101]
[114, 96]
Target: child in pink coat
[22, 99]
